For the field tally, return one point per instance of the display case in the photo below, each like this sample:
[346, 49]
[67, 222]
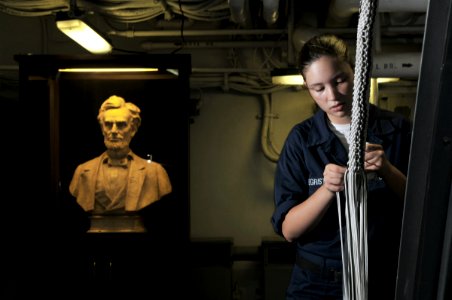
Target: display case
[56, 129]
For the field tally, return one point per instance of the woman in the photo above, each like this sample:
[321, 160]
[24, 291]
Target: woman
[311, 170]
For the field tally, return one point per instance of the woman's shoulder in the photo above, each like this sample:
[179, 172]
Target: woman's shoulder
[382, 113]
[385, 117]
[301, 129]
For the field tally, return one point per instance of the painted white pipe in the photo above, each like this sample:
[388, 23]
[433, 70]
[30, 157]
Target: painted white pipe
[344, 6]
[404, 65]
[340, 11]
[402, 6]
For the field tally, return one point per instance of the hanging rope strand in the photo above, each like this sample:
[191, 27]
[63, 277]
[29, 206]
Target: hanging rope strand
[354, 239]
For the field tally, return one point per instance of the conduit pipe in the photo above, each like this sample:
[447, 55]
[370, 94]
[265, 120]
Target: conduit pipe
[291, 59]
[204, 44]
[405, 65]
[240, 12]
[177, 33]
[268, 148]
[340, 11]
[9, 68]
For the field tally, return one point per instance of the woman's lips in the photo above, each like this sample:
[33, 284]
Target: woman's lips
[337, 107]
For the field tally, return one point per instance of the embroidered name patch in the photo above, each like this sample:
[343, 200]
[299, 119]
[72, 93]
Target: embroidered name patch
[315, 181]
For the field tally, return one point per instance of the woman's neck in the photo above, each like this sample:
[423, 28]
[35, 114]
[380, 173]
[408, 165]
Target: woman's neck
[340, 120]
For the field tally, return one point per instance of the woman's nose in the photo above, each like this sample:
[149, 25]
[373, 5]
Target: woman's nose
[332, 93]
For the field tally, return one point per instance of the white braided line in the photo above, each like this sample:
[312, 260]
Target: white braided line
[354, 240]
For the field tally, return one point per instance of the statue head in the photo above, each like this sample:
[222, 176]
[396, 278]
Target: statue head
[119, 121]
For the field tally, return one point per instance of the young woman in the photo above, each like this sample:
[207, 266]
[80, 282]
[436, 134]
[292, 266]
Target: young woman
[311, 170]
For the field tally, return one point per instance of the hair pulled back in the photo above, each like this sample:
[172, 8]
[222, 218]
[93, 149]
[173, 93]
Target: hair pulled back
[323, 45]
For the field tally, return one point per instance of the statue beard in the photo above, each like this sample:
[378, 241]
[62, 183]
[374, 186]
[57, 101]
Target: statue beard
[116, 146]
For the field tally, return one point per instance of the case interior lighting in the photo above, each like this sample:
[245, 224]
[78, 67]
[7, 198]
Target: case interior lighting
[107, 70]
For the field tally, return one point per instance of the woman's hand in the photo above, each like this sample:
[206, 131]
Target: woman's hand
[375, 161]
[333, 177]
[374, 158]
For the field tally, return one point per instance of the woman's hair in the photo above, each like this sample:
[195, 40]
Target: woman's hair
[321, 45]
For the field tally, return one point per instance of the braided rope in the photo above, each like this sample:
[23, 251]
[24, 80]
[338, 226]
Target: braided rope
[354, 240]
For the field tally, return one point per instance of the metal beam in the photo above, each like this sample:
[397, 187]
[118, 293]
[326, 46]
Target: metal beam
[425, 258]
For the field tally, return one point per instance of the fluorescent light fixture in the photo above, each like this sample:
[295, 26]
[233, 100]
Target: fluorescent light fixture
[80, 32]
[107, 70]
[290, 76]
[173, 71]
[387, 79]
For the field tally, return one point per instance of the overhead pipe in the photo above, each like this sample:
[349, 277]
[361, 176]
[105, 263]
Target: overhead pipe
[405, 65]
[240, 12]
[270, 11]
[176, 33]
[402, 6]
[340, 11]
[9, 68]
[219, 44]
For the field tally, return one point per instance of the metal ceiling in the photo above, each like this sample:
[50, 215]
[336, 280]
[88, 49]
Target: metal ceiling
[271, 31]
[261, 19]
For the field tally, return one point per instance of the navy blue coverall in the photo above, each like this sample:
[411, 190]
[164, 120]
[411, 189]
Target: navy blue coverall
[310, 146]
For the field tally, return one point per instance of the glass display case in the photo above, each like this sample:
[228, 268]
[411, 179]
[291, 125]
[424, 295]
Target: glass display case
[57, 130]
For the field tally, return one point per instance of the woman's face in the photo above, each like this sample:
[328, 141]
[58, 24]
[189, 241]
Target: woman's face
[330, 83]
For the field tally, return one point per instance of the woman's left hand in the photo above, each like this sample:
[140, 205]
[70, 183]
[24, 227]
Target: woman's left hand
[374, 157]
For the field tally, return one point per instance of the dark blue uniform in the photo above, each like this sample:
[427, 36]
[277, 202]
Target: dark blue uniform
[308, 148]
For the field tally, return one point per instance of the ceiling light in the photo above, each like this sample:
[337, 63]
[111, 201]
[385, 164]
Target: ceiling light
[288, 76]
[387, 79]
[80, 32]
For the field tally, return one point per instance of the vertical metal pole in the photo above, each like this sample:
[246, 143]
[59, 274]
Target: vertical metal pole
[423, 265]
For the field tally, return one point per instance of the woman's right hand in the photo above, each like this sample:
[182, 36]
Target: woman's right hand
[333, 177]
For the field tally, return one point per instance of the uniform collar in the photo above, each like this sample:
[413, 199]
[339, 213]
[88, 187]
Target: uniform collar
[377, 126]
[319, 133]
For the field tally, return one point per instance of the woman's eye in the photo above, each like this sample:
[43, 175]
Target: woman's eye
[319, 89]
[340, 80]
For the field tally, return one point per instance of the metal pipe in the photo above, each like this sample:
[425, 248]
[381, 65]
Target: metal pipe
[396, 65]
[229, 70]
[207, 44]
[177, 33]
[404, 65]
[270, 11]
[9, 68]
[340, 11]
[290, 32]
[240, 12]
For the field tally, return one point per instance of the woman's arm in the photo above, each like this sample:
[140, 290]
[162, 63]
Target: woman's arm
[306, 215]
